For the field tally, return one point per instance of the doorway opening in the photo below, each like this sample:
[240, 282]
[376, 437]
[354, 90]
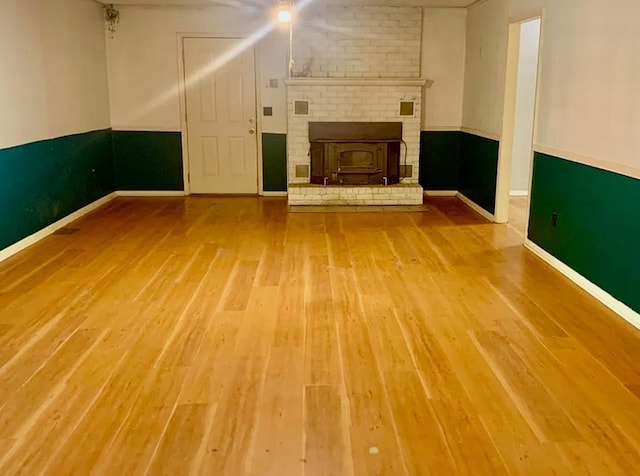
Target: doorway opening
[518, 129]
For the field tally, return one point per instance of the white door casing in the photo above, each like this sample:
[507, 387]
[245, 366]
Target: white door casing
[221, 116]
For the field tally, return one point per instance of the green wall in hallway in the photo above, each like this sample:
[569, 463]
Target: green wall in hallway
[598, 226]
[42, 182]
[148, 160]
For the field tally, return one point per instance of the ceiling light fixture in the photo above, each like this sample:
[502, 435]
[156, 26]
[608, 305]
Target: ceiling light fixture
[284, 15]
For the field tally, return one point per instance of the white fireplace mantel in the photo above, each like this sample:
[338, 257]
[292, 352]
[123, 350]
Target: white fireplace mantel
[358, 82]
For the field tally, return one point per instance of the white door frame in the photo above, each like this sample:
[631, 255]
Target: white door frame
[183, 105]
[508, 116]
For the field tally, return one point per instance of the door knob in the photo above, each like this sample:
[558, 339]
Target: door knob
[252, 131]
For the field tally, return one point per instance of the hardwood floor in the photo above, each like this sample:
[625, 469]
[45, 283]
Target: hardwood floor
[225, 336]
[518, 214]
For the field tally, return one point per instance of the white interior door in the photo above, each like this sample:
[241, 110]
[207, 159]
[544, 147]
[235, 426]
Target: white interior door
[221, 121]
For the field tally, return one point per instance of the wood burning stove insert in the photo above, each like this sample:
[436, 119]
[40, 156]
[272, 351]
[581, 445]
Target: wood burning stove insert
[355, 153]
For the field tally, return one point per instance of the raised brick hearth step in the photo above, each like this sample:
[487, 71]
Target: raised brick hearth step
[400, 194]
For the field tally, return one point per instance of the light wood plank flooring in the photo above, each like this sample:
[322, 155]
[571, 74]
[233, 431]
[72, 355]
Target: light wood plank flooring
[518, 214]
[224, 336]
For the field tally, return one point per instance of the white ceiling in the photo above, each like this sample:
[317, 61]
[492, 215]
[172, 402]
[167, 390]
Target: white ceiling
[426, 3]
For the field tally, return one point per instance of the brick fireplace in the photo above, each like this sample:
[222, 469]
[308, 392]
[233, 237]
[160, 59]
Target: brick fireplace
[355, 101]
[356, 65]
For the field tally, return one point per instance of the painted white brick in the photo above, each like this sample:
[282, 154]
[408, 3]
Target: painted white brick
[327, 40]
[351, 103]
[318, 195]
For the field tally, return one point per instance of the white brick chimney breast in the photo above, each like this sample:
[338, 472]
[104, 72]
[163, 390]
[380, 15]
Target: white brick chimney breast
[355, 64]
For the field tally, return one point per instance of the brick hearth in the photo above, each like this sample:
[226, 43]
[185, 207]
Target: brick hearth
[401, 194]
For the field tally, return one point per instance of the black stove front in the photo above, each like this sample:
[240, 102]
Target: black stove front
[355, 153]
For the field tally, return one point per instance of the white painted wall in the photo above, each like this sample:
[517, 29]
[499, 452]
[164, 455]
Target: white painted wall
[591, 71]
[272, 56]
[525, 105]
[143, 62]
[443, 61]
[485, 61]
[53, 80]
[589, 108]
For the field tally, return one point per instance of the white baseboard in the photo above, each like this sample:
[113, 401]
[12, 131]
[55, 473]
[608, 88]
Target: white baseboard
[518, 193]
[476, 208]
[39, 235]
[441, 193]
[150, 193]
[628, 314]
[178, 193]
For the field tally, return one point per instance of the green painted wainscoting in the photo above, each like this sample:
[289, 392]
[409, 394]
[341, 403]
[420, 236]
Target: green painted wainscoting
[479, 170]
[42, 182]
[274, 162]
[440, 160]
[597, 232]
[148, 160]
[455, 160]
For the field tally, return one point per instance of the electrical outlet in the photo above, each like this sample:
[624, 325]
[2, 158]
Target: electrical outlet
[554, 219]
